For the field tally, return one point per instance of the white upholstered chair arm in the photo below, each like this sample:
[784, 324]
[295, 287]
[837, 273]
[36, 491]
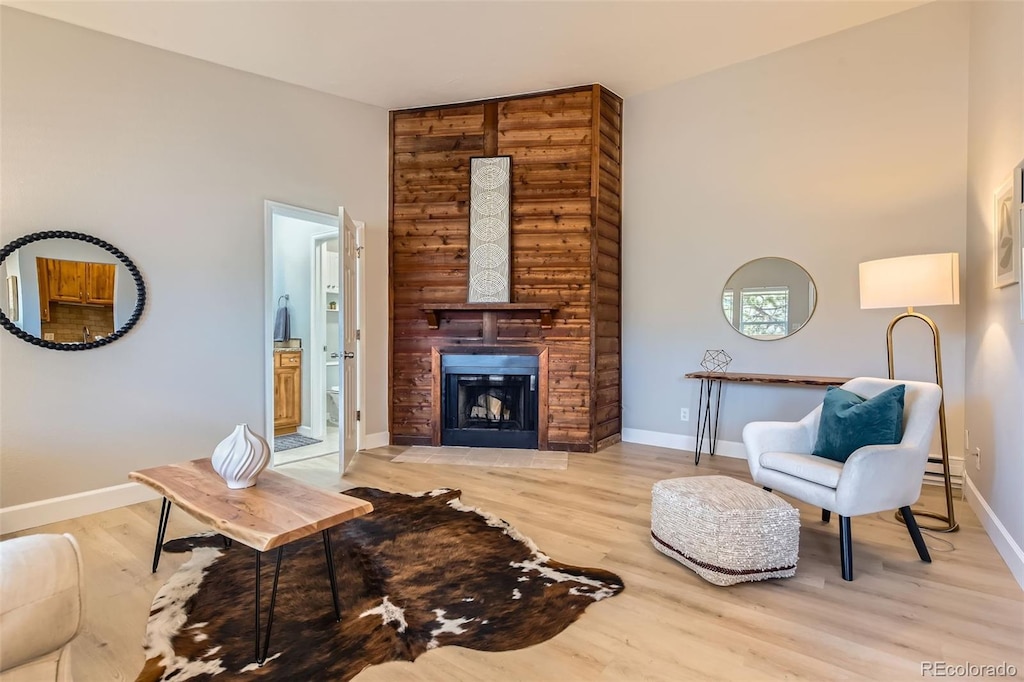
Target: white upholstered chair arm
[40, 603]
[880, 477]
[761, 437]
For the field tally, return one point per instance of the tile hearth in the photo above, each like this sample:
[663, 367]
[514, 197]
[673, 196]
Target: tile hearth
[509, 458]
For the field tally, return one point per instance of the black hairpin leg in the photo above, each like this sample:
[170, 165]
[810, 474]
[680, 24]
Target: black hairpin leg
[845, 547]
[161, 528]
[707, 419]
[915, 534]
[700, 422]
[330, 573]
[713, 444]
[261, 655]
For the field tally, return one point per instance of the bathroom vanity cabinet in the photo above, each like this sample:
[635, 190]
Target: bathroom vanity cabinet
[287, 391]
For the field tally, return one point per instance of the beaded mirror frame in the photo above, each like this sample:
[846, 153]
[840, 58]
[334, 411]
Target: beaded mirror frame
[140, 288]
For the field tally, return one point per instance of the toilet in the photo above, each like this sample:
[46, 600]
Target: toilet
[332, 406]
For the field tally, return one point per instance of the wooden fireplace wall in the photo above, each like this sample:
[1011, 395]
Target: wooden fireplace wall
[566, 218]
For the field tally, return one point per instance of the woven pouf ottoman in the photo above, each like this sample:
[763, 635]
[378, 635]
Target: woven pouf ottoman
[726, 530]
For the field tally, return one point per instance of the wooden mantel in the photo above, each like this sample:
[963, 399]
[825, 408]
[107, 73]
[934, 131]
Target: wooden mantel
[489, 313]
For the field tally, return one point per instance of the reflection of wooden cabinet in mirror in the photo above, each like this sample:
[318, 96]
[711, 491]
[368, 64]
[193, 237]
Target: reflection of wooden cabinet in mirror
[65, 279]
[99, 283]
[76, 299]
[287, 391]
[70, 281]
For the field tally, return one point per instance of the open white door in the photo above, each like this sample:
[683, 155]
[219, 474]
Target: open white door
[349, 334]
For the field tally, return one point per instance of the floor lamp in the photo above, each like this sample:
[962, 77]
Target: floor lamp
[932, 279]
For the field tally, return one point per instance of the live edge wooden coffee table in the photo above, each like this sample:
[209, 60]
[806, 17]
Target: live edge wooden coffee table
[276, 511]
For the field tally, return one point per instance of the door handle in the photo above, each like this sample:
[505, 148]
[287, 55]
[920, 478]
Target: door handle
[349, 355]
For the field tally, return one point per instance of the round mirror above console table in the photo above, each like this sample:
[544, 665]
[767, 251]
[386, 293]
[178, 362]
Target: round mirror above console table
[68, 290]
[769, 298]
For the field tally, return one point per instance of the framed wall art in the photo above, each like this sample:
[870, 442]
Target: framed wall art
[1018, 209]
[12, 298]
[1005, 237]
[490, 214]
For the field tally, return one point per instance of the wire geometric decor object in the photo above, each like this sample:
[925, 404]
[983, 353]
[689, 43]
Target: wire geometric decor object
[489, 221]
[716, 361]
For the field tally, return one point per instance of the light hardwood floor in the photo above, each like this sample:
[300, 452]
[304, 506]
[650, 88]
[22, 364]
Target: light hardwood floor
[668, 624]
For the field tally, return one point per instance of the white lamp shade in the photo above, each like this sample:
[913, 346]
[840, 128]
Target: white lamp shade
[911, 281]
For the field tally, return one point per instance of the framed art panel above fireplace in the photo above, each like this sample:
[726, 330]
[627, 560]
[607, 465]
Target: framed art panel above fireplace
[489, 221]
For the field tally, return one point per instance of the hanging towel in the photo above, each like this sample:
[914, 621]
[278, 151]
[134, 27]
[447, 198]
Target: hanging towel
[282, 322]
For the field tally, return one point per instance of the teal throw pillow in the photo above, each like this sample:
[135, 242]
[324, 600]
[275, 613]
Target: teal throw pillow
[849, 422]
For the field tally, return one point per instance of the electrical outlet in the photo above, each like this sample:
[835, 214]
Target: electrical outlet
[977, 458]
[48, 336]
[684, 414]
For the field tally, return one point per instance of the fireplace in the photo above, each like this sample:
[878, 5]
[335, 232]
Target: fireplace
[489, 400]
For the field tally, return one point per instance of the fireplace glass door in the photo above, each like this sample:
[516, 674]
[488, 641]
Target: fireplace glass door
[489, 400]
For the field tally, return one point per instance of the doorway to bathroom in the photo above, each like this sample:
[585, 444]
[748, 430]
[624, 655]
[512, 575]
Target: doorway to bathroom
[314, 369]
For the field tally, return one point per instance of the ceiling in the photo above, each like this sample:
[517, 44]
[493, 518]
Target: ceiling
[421, 52]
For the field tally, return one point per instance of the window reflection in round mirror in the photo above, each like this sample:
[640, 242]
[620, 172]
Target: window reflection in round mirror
[769, 299]
[68, 291]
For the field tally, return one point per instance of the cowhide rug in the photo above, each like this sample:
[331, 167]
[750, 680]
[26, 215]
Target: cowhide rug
[419, 572]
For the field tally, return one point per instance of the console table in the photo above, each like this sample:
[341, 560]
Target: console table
[707, 425]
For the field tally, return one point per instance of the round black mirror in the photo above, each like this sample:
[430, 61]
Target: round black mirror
[769, 298]
[68, 290]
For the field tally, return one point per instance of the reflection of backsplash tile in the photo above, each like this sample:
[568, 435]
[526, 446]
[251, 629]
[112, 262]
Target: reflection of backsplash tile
[66, 322]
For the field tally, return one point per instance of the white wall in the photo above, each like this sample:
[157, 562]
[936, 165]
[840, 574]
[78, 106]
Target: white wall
[170, 159]
[995, 341]
[842, 150]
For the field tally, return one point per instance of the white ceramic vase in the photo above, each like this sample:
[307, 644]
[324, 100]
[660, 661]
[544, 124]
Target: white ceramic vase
[241, 457]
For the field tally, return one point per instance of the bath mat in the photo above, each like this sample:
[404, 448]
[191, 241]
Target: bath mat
[293, 440]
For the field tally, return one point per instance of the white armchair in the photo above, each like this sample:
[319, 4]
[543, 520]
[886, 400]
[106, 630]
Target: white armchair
[874, 478]
[40, 607]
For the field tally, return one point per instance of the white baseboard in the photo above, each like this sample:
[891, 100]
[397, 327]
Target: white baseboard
[678, 441]
[306, 431]
[376, 440]
[1007, 547]
[32, 514]
[933, 472]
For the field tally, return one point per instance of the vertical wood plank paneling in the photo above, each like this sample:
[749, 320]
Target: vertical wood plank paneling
[391, 269]
[607, 269]
[435, 397]
[430, 152]
[565, 226]
[595, 202]
[550, 140]
[491, 129]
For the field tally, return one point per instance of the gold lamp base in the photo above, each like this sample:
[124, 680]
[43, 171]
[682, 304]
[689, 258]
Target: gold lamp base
[949, 524]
